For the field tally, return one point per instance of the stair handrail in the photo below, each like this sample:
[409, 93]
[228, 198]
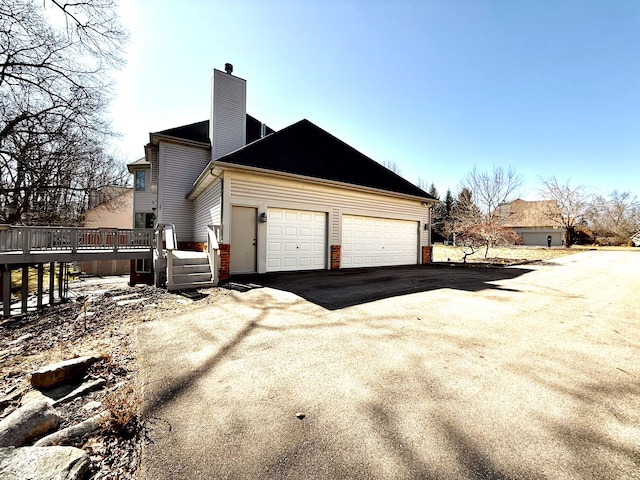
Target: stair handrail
[166, 242]
[213, 249]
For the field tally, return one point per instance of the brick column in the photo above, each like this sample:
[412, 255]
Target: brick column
[335, 257]
[225, 260]
[427, 256]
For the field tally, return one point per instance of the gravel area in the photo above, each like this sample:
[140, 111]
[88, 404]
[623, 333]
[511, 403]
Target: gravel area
[99, 318]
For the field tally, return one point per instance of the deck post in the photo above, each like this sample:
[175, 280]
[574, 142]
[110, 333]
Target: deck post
[75, 234]
[25, 287]
[52, 279]
[6, 291]
[60, 279]
[40, 284]
[25, 240]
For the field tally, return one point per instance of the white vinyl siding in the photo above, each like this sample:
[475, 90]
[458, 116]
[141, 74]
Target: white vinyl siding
[271, 192]
[376, 242]
[144, 200]
[180, 166]
[154, 166]
[228, 129]
[207, 209]
[296, 240]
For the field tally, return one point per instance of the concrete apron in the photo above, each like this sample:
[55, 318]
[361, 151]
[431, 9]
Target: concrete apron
[524, 379]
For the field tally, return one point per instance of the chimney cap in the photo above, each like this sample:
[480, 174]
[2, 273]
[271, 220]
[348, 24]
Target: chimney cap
[228, 68]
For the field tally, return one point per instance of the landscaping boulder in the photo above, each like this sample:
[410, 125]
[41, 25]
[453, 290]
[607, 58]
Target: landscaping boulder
[43, 463]
[67, 371]
[81, 390]
[30, 421]
[75, 435]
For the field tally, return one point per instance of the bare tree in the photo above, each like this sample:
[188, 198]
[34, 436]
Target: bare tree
[55, 59]
[477, 217]
[492, 189]
[615, 218]
[392, 165]
[574, 204]
[483, 235]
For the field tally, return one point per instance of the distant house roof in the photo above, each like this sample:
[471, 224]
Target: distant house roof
[523, 213]
[199, 131]
[305, 149]
[140, 163]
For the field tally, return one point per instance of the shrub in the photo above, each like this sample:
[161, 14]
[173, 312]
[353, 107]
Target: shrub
[123, 403]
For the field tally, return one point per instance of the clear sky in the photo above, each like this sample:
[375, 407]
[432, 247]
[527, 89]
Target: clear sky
[549, 87]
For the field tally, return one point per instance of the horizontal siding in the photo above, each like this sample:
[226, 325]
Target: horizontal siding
[180, 166]
[207, 210]
[154, 166]
[143, 201]
[229, 113]
[306, 196]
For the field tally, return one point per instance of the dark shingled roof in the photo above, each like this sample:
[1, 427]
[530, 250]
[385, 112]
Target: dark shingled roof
[305, 149]
[199, 131]
[195, 132]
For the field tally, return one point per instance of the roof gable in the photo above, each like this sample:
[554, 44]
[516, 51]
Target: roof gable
[305, 149]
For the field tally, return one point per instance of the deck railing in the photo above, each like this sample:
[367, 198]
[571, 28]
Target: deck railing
[52, 239]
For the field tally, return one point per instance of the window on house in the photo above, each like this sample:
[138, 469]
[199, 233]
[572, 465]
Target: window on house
[143, 265]
[144, 220]
[140, 180]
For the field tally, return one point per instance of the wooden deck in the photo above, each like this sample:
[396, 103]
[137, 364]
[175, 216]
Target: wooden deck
[35, 245]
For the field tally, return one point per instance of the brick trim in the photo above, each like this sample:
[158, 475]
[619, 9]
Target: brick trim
[225, 261]
[193, 246]
[335, 257]
[427, 254]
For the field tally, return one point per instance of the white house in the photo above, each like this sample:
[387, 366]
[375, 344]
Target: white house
[295, 199]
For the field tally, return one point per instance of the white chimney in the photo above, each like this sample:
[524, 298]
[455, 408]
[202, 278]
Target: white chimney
[227, 126]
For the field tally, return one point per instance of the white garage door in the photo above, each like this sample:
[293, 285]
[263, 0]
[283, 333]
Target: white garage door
[376, 242]
[296, 240]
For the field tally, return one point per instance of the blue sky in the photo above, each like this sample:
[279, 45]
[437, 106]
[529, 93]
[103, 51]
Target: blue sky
[551, 88]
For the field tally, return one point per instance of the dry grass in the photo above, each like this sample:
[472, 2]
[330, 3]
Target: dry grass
[124, 404]
[447, 253]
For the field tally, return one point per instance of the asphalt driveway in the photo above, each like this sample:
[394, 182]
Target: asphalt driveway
[345, 288]
[530, 375]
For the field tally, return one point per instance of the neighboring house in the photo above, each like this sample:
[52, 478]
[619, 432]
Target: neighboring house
[635, 238]
[116, 212]
[296, 199]
[535, 221]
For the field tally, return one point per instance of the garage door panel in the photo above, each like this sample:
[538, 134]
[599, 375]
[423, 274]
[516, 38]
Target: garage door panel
[300, 237]
[368, 242]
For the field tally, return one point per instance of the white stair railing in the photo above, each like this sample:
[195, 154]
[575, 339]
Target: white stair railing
[213, 250]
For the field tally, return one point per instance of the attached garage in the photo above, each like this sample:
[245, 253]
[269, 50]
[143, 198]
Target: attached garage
[296, 240]
[377, 242]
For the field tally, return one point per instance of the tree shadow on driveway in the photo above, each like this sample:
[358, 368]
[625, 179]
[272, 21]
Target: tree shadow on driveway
[338, 289]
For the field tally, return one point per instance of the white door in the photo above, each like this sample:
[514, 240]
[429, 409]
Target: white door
[377, 242]
[296, 240]
[243, 239]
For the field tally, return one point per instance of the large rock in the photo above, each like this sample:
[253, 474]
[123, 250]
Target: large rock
[75, 435]
[81, 390]
[67, 371]
[32, 420]
[43, 463]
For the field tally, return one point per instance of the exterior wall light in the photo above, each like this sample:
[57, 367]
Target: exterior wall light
[263, 217]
